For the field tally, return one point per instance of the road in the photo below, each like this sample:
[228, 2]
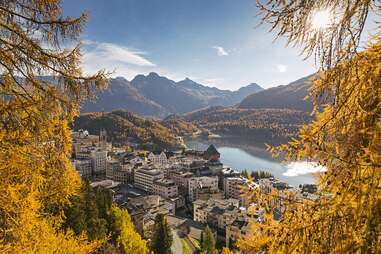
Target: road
[177, 247]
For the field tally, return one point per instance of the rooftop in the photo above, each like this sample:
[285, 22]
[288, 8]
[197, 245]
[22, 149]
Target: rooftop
[152, 172]
[211, 150]
[105, 183]
[229, 171]
[165, 182]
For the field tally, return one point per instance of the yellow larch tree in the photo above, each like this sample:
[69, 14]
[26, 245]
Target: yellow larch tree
[41, 86]
[345, 135]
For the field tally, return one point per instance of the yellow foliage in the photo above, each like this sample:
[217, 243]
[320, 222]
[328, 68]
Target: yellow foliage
[37, 177]
[345, 137]
[128, 239]
[226, 251]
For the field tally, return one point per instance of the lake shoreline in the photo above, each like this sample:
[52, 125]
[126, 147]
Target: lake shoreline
[253, 157]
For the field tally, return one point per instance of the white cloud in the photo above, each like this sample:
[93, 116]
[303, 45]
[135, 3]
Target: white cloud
[118, 53]
[281, 68]
[123, 61]
[221, 51]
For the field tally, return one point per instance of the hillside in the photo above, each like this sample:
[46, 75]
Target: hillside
[287, 96]
[263, 125]
[120, 94]
[121, 125]
[179, 125]
[157, 96]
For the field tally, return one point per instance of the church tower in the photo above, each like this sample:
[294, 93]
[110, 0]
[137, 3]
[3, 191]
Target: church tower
[103, 139]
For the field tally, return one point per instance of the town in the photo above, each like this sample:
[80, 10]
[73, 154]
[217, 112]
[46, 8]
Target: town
[191, 188]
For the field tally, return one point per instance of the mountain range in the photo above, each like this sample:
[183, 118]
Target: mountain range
[291, 96]
[186, 107]
[157, 96]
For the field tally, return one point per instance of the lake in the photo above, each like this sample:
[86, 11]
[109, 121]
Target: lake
[239, 155]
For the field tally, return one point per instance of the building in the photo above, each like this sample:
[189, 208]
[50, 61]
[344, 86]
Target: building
[181, 179]
[144, 178]
[239, 188]
[112, 166]
[109, 184]
[165, 187]
[216, 212]
[179, 201]
[81, 151]
[84, 168]
[127, 173]
[158, 159]
[207, 193]
[99, 161]
[215, 166]
[194, 183]
[225, 173]
[186, 227]
[83, 142]
[118, 172]
[236, 230]
[83, 137]
[103, 139]
[233, 187]
[143, 211]
[211, 154]
[266, 184]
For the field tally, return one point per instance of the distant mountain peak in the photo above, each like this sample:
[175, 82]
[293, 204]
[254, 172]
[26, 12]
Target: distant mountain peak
[189, 82]
[156, 95]
[253, 84]
[285, 96]
[120, 78]
[153, 75]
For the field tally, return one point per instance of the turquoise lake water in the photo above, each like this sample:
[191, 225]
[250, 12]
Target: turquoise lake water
[256, 158]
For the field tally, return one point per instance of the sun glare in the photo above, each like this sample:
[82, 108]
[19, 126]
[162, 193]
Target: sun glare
[321, 19]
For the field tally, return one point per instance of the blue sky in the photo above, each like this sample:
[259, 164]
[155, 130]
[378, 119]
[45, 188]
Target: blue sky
[214, 42]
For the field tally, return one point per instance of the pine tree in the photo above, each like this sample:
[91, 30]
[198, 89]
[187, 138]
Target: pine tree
[208, 243]
[344, 135]
[162, 238]
[245, 173]
[103, 199]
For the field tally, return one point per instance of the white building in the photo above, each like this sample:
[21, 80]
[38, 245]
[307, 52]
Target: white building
[201, 182]
[233, 187]
[99, 160]
[112, 165]
[165, 188]
[83, 167]
[118, 172]
[217, 212]
[239, 188]
[180, 178]
[144, 178]
[158, 159]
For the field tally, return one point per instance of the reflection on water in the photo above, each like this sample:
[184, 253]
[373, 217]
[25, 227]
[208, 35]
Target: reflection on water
[252, 157]
[302, 168]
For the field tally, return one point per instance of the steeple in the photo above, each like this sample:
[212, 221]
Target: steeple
[103, 138]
